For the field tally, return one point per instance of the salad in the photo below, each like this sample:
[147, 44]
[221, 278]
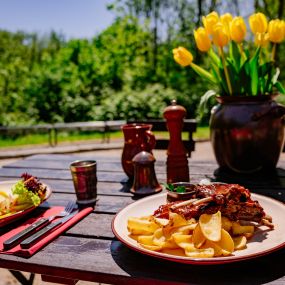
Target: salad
[26, 193]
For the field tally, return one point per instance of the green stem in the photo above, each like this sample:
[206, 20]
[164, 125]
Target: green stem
[226, 71]
[241, 51]
[262, 56]
[273, 52]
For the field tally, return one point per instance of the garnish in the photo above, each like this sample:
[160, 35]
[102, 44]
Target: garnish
[172, 188]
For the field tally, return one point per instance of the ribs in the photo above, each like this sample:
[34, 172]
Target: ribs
[234, 202]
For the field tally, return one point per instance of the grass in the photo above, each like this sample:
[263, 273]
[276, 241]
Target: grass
[64, 137]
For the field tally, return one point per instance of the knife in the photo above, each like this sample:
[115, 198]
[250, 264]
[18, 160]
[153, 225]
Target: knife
[17, 238]
[33, 239]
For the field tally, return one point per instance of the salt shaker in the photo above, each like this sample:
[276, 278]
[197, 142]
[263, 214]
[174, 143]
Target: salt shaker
[177, 162]
[145, 182]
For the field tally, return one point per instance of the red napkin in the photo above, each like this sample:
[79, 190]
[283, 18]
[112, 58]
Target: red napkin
[17, 250]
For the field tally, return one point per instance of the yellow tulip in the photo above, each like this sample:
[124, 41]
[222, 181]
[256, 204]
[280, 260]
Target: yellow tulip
[220, 35]
[276, 31]
[202, 39]
[182, 56]
[261, 39]
[258, 23]
[209, 21]
[226, 19]
[238, 29]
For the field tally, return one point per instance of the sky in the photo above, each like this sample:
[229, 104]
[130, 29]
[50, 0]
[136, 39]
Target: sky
[72, 18]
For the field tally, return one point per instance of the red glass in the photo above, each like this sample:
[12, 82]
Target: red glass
[138, 137]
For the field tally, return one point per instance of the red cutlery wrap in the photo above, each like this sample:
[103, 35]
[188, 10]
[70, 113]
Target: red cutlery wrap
[17, 250]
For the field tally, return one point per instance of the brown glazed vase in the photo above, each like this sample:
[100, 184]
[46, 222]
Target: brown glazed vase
[247, 133]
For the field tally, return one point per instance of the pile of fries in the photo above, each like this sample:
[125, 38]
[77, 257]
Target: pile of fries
[210, 236]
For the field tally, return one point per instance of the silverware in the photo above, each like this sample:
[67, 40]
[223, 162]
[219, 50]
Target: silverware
[16, 239]
[33, 239]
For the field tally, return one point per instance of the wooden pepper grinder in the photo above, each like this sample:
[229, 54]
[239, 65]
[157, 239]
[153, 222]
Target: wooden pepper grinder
[177, 163]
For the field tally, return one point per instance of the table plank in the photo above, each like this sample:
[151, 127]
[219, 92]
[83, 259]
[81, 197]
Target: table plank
[59, 174]
[110, 261]
[105, 204]
[160, 168]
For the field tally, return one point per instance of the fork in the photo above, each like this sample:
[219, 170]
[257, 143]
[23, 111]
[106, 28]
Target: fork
[16, 239]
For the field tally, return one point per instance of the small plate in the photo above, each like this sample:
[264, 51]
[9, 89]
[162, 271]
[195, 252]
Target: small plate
[6, 186]
[263, 242]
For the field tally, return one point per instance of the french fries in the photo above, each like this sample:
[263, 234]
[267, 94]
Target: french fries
[210, 236]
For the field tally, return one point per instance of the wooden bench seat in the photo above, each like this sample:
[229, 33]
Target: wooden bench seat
[25, 130]
[105, 127]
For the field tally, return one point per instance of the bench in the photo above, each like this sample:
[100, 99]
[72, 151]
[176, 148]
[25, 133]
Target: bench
[25, 130]
[105, 127]
[53, 129]
[189, 126]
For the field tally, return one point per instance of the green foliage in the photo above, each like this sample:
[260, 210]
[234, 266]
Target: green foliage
[109, 77]
[148, 103]
[127, 71]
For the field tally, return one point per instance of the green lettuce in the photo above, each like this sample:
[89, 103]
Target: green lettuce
[25, 196]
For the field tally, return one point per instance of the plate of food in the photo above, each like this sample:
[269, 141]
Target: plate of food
[220, 223]
[20, 197]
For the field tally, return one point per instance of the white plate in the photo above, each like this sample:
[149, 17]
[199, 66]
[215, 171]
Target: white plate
[263, 242]
[6, 186]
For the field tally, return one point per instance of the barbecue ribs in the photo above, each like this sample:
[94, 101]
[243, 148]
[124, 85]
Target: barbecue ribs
[234, 202]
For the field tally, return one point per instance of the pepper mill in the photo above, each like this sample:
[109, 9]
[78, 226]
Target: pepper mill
[145, 182]
[177, 163]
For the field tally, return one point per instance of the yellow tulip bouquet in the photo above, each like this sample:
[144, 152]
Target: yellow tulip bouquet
[234, 68]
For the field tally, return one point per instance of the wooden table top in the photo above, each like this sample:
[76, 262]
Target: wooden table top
[89, 251]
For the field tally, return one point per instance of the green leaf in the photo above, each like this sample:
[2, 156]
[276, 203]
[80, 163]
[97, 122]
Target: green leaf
[204, 101]
[278, 85]
[245, 78]
[169, 187]
[276, 75]
[25, 196]
[223, 81]
[235, 77]
[268, 85]
[235, 55]
[180, 189]
[262, 85]
[215, 72]
[215, 58]
[264, 69]
[247, 53]
[203, 73]
[254, 72]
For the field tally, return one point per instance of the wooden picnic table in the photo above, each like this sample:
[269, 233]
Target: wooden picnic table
[89, 251]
